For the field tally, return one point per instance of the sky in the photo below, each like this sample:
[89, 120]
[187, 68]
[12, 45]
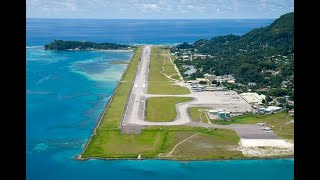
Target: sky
[159, 9]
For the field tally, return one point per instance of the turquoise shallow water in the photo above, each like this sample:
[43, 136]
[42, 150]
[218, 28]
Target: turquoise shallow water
[66, 92]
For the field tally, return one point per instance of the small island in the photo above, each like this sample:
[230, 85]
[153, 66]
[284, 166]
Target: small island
[61, 45]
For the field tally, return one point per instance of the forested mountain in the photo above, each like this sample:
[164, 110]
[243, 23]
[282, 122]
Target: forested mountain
[81, 45]
[275, 38]
[249, 57]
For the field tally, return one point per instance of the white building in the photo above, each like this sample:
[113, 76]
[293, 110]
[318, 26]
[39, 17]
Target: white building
[211, 77]
[270, 109]
[253, 98]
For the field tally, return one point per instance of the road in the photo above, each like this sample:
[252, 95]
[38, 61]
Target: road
[216, 100]
[134, 114]
[135, 109]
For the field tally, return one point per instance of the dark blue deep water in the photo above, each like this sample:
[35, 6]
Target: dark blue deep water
[42, 31]
[67, 91]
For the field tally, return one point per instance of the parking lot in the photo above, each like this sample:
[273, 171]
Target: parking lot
[221, 100]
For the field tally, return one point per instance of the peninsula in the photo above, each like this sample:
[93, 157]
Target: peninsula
[157, 112]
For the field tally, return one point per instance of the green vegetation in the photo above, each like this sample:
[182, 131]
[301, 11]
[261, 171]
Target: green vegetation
[113, 114]
[162, 109]
[264, 56]
[166, 89]
[82, 45]
[119, 62]
[198, 114]
[175, 76]
[108, 129]
[281, 122]
[185, 45]
[158, 142]
[214, 144]
[159, 62]
[112, 144]
[160, 68]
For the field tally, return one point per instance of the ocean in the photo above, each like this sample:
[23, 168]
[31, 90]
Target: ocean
[67, 91]
[42, 31]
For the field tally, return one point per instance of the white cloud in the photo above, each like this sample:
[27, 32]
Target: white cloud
[275, 5]
[52, 6]
[235, 4]
[97, 3]
[34, 2]
[158, 8]
[150, 7]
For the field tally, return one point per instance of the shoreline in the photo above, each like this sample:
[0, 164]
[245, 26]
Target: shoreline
[108, 50]
[125, 50]
[104, 111]
[183, 160]
[134, 157]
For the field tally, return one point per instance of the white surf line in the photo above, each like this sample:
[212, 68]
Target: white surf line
[169, 154]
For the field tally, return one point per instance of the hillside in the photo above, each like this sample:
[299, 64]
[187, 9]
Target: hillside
[250, 57]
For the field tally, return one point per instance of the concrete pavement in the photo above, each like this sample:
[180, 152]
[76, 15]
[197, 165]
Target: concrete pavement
[136, 105]
[227, 100]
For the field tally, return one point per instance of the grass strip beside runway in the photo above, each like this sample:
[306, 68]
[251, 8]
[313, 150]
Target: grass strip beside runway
[163, 109]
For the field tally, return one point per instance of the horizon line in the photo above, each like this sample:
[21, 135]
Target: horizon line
[155, 18]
